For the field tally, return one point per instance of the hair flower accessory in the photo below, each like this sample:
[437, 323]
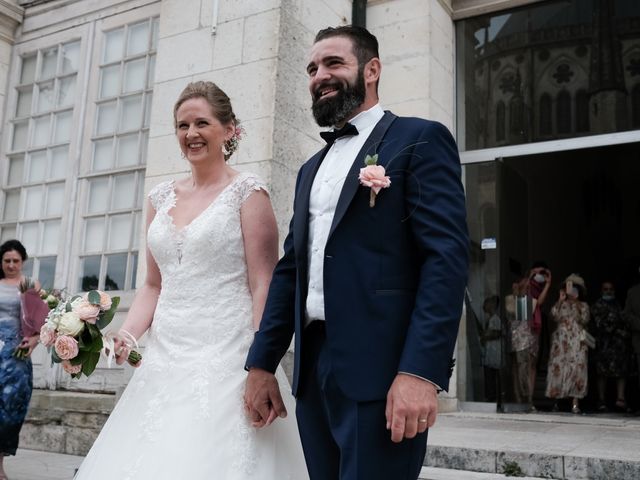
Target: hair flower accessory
[232, 144]
[373, 176]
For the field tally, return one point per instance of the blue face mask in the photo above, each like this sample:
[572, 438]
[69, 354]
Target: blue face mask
[607, 297]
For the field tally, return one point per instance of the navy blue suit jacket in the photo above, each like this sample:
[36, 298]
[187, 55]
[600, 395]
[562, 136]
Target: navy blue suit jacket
[394, 274]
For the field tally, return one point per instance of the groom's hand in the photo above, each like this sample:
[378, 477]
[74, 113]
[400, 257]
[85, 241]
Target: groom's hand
[412, 406]
[262, 399]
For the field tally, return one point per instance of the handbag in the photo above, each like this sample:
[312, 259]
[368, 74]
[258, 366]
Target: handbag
[587, 339]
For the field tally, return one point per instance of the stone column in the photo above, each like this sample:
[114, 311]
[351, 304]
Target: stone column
[11, 15]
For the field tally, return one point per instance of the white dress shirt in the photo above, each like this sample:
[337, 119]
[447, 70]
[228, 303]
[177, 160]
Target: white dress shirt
[325, 192]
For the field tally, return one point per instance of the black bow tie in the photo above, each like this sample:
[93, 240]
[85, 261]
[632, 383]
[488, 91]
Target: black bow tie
[333, 135]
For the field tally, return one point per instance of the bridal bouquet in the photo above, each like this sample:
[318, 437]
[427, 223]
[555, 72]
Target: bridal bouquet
[72, 332]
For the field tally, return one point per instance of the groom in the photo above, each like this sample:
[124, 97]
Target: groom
[371, 280]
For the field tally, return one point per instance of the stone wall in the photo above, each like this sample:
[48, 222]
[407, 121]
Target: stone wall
[65, 422]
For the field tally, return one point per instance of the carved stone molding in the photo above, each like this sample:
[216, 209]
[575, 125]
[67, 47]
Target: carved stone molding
[11, 16]
[471, 8]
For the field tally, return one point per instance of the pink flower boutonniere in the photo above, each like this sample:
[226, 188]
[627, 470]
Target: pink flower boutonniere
[373, 176]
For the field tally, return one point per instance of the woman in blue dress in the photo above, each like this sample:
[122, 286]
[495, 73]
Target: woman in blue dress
[15, 373]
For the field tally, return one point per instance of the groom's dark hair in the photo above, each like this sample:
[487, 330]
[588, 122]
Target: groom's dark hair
[365, 45]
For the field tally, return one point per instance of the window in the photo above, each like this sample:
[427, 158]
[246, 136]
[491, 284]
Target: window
[38, 154]
[114, 181]
[544, 42]
[545, 115]
[582, 111]
[564, 112]
[635, 106]
[500, 121]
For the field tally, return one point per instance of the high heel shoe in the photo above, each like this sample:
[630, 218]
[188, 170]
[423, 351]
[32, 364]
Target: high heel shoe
[575, 409]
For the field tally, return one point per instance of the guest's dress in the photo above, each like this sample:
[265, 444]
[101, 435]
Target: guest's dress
[15, 374]
[523, 348]
[567, 372]
[182, 415]
[613, 339]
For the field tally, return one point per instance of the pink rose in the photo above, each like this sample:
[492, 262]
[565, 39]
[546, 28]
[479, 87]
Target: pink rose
[66, 347]
[374, 176]
[86, 311]
[105, 300]
[72, 369]
[47, 335]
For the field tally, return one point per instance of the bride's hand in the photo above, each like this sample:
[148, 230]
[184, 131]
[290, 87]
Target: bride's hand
[262, 400]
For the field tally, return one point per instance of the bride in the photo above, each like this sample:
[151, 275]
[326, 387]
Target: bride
[211, 248]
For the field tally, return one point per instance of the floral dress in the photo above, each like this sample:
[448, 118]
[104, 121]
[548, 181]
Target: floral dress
[567, 372]
[524, 349]
[15, 374]
[613, 339]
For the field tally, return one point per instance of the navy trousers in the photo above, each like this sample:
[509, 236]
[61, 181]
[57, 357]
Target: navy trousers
[343, 439]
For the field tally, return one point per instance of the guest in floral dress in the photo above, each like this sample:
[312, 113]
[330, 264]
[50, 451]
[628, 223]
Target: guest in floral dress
[567, 372]
[525, 332]
[613, 345]
[15, 373]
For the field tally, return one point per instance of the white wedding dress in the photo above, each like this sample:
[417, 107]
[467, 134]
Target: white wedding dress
[182, 415]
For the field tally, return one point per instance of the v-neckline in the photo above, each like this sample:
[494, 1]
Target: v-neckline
[204, 210]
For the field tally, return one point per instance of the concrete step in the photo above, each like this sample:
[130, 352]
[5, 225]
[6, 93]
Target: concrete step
[431, 473]
[39, 465]
[560, 446]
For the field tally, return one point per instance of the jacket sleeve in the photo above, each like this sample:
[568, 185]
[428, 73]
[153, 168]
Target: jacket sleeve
[436, 202]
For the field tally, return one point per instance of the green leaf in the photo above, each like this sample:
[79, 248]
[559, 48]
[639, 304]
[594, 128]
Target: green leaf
[93, 297]
[94, 331]
[371, 159]
[90, 364]
[67, 307]
[54, 356]
[105, 318]
[82, 356]
[96, 345]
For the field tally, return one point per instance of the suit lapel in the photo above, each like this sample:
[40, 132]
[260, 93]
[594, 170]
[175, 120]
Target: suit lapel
[301, 212]
[351, 183]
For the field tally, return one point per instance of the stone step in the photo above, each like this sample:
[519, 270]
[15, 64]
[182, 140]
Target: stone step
[64, 422]
[431, 473]
[559, 446]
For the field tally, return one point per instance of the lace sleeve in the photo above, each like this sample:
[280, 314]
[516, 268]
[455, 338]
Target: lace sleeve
[162, 196]
[251, 183]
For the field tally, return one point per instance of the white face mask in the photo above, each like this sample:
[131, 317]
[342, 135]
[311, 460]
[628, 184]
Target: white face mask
[538, 277]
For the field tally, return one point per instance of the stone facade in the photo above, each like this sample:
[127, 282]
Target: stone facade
[256, 51]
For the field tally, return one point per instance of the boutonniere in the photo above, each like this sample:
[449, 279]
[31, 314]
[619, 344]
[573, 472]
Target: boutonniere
[373, 176]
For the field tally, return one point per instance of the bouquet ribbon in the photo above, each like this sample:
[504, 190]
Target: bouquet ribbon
[108, 344]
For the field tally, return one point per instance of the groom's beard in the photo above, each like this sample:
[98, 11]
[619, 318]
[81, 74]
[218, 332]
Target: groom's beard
[336, 109]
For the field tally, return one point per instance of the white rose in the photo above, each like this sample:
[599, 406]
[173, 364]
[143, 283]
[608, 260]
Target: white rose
[70, 324]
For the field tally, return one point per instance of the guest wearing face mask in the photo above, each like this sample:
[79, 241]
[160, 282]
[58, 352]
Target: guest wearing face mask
[525, 329]
[567, 372]
[613, 345]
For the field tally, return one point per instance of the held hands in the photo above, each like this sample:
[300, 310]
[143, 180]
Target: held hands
[412, 406]
[262, 400]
